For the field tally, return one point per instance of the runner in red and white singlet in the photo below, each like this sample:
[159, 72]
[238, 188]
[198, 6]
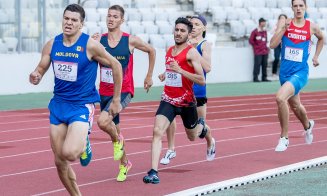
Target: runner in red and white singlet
[178, 90]
[183, 68]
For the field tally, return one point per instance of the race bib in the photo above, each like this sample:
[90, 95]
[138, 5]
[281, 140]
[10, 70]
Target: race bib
[65, 70]
[106, 75]
[294, 54]
[173, 79]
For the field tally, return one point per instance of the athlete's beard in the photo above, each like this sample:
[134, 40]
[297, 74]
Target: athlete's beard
[182, 42]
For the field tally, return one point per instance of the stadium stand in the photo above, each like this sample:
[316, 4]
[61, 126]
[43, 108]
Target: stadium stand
[229, 21]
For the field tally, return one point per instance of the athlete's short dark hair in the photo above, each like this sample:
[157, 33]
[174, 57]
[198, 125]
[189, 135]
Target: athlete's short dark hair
[305, 2]
[185, 21]
[118, 8]
[76, 8]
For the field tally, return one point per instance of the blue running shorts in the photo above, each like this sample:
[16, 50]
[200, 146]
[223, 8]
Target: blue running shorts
[67, 113]
[298, 80]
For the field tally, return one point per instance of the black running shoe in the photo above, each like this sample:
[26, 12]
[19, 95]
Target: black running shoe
[152, 177]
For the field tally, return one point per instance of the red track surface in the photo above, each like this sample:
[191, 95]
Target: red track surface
[246, 131]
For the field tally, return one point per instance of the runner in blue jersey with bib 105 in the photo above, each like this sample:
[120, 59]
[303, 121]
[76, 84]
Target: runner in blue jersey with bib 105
[203, 47]
[74, 57]
[295, 36]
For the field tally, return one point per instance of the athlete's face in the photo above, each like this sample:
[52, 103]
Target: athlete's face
[181, 33]
[299, 8]
[198, 27]
[71, 23]
[114, 19]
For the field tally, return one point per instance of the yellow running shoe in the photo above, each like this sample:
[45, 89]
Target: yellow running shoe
[119, 148]
[123, 169]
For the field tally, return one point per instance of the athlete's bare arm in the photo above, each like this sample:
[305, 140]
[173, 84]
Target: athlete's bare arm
[193, 58]
[98, 53]
[44, 64]
[136, 42]
[319, 34]
[206, 57]
[282, 26]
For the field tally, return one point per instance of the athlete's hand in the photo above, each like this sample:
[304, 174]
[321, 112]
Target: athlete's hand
[148, 83]
[315, 61]
[162, 77]
[175, 67]
[35, 77]
[96, 36]
[114, 108]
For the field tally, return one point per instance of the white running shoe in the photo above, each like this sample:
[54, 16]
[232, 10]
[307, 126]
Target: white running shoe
[170, 154]
[282, 144]
[211, 152]
[308, 136]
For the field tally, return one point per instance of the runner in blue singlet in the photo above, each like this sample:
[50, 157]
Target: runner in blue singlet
[295, 36]
[74, 58]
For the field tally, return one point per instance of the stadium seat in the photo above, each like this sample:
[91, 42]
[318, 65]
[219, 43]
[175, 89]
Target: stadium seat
[151, 28]
[136, 29]
[271, 3]
[3, 47]
[226, 3]
[3, 16]
[165, 28]
[90, 4]
[169, 39]
[7, 4]
[11, 43]
[321, 3]
[157, 41]
[148, 16]
[249, 26]
[200, 6]
[284, 3]
[144, 37]
[219, 15]
[238, 3]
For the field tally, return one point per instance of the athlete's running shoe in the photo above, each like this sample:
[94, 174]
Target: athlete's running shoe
[282, 144]
[119, 148]
[308, 136]
[170, 154]
[86, 156]
[152, 177]
[123, 169]
[211, 152]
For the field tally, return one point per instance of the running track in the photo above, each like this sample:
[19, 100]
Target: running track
[246, 131]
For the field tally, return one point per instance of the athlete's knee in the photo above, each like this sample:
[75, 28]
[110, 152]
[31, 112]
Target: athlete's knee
[103, 123]
[191, 136]
[280, 99]
[70, 154]
[61, 164]
[157, 132]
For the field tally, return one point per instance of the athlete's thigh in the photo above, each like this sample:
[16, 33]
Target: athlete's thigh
[161, 123]
[57, 137]
[76, 136]
[286, 91]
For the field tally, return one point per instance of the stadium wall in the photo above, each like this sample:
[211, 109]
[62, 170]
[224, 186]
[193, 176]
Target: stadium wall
[228, 65]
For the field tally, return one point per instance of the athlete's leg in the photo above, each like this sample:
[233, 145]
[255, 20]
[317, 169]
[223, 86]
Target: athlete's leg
[160, 126]
[106, 124]
[299, 110]
[171, 135]
[285, 92]
[67, 144]
[202, 113]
